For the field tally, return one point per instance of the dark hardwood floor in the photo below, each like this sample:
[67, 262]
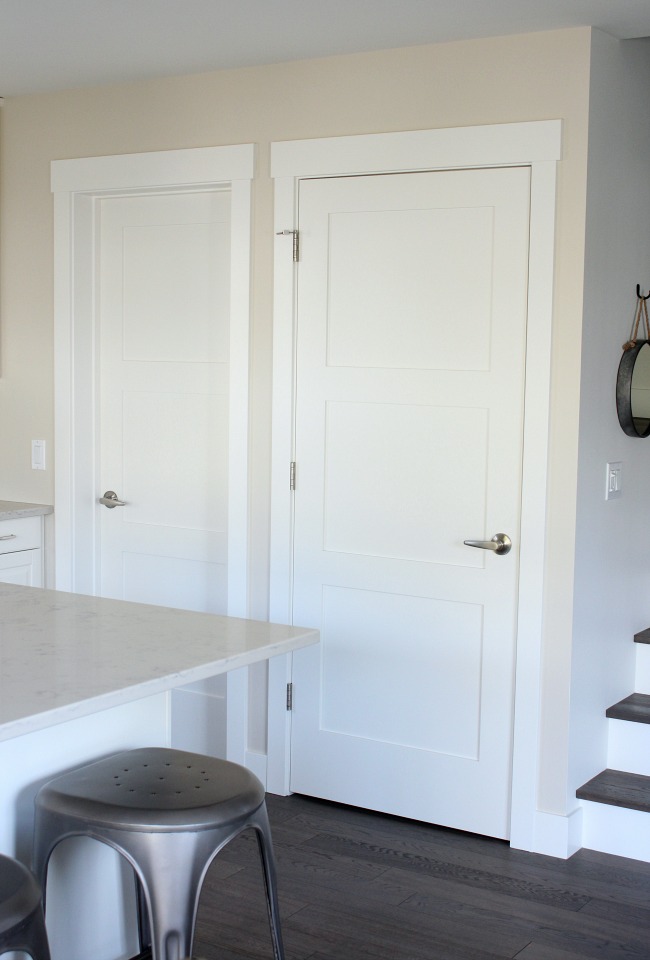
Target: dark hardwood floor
[361, 886]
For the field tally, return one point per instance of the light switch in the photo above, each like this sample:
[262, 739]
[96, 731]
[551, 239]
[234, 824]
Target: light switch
[614, 486]
[38, 454]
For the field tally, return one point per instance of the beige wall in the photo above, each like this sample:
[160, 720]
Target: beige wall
[529, 77]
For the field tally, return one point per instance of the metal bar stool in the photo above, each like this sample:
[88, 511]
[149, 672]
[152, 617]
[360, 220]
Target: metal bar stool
[22, 925]
[169, 812]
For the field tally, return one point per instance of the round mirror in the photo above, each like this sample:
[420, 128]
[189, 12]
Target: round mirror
[633, 390]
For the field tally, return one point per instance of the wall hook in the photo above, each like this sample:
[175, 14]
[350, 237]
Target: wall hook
[638, 293]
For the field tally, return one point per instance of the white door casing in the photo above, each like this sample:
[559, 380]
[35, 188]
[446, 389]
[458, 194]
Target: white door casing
[532, 144]
[79, 187]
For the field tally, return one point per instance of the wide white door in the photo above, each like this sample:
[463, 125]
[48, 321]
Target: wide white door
[164, 323]
[412, 297]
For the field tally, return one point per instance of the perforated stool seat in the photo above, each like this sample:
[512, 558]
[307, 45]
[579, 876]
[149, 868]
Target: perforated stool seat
[169, 812]
[22, 926]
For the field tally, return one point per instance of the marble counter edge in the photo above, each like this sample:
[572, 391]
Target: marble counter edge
[16, 510]
[22, 726]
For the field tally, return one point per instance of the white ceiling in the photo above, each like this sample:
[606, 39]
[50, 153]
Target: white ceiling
[56, 44]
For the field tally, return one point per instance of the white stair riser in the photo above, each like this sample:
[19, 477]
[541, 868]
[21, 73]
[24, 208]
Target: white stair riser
[642, 684]
[628, 747]
[616, 830]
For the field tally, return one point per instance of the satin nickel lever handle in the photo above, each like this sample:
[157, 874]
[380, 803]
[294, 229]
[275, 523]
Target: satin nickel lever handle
[500, 544]
[110, 500]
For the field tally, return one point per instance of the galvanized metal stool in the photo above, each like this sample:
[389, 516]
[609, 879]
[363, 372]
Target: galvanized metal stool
[169, 812]
[22, 926]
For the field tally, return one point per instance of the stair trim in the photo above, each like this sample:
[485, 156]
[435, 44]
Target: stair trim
[619, 789]
[636, 708]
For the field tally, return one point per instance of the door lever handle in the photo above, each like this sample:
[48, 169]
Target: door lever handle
[500, 544]
[110, 500]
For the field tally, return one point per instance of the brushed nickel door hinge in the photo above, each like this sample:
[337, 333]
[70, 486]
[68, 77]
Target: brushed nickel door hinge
[289, 696]
[296, 242]
[292, 475]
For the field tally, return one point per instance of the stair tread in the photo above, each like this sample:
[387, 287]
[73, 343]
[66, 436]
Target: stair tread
[636, 708]
[616, 787]
[643, 636]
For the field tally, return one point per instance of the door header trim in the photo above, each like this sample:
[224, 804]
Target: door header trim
[490, 145]
[134, 171]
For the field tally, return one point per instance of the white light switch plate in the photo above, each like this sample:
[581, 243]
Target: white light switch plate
[38, 454]
[614, 485]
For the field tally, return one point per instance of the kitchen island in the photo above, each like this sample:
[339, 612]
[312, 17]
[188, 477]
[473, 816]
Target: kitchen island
[82, 677]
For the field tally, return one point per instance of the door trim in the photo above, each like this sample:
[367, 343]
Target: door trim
[78, 185]
[533, 144]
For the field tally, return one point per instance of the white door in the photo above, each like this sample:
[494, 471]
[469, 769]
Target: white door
[164, 322]
[412, 295]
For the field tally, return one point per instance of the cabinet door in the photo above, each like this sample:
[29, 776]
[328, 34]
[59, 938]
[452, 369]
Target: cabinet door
[23, 568]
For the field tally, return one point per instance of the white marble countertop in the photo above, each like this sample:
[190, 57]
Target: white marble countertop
[64, 655]
[13, 510]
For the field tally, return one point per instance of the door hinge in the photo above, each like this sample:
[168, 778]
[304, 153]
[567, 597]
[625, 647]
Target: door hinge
[289, 696]
[296, 242]
[292, 475]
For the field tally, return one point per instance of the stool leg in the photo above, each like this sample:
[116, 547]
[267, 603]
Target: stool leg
[170, 868]
[47, 834]
[144, 931]
[264, 842]
[32, 937]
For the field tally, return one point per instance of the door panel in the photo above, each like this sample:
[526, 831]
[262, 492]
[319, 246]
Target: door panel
[356, 520]
[426, 722]
[427, 250]
[164, 308]
[412, 293]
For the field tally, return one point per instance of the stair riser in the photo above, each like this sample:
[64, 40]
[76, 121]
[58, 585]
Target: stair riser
[629, 747]
[642, 684]
[616, 830]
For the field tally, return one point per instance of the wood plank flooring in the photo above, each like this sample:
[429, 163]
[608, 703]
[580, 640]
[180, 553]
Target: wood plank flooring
[356, 885]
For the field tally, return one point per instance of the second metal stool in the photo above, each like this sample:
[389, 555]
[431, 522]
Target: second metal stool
[169, 813]
[22, 927]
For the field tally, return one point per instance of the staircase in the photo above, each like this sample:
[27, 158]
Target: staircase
[618, 799]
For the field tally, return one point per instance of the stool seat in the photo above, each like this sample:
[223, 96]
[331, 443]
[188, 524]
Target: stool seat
[155, 789]
[168, 812]
[22, 926]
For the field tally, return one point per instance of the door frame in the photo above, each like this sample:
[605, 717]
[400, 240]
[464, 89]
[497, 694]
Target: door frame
[78, 186]
[537, 145]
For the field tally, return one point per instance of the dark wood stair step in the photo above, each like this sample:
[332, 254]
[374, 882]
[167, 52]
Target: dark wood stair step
[631, 790]
[636, 707]
[643, 637]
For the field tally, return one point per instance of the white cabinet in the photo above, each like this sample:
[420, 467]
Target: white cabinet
[21, 551]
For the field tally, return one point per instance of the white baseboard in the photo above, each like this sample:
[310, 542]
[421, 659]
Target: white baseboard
[557, 835]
